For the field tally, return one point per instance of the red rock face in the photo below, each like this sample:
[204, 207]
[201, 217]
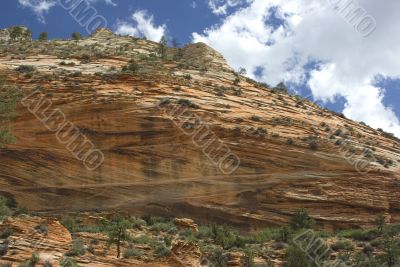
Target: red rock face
[152, 165]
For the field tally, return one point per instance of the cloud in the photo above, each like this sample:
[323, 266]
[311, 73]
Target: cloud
[39, 7]
[42, 7]
[308, 42]
[143, 26]
[110, 2]
[220, 7]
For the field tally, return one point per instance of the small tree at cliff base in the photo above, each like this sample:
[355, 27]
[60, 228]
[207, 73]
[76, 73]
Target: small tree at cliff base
[117, 232]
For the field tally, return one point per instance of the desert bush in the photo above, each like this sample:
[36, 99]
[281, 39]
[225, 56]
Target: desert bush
[161, 250]
[218, 258]
[68, 262]
[313, 145]
[25, 69]
[167, 227]
[255, 118]
[5, 233]
[41, 228]
[4, 248]
[137, 222]
[368, 249]
[77, 249]
[187, 102]
[69, 223]
[281, 88]
[164, 101]
[31, 262]
[380, 222]
[44, 36]
[226, 237]
[296, 257]
[342, 245]
[362, 260]
[131, 252]
[132, 66]
[248, 260]
[301, 220]
[261, 131]
[4, 209]
[359, 234]
[143, 239]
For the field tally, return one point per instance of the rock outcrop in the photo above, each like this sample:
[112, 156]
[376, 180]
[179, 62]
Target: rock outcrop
[293, 153]
[16, 33]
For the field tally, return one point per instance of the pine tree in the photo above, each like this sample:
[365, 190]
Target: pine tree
[117, 232]
[76, 36]
[44, 36]
[162, 49]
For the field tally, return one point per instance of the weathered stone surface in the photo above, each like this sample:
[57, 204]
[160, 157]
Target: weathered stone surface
[152, 167]
[186, 223]
[24, 34]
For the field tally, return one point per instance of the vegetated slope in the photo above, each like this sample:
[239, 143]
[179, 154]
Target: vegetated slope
[293, 153]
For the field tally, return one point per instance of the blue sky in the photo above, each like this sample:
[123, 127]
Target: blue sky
[321, 53]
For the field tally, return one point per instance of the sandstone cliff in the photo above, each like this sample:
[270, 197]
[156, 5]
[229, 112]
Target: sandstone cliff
[293, 154]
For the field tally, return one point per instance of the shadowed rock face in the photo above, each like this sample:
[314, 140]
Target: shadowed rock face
[291, 154]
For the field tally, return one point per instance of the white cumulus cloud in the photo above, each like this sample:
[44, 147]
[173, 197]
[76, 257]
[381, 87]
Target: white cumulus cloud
[143, 25]
[283, 37]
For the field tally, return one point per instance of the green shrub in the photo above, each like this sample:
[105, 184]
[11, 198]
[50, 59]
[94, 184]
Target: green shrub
[132, 66]
[4, 248]
[362, 260]
[301, 220]
[296, 257]
[137, 222]
[187, 102]
[161, 250]
[143, 239]
[281, 88]
[218, 258]
[380, 222]
[77, 249]
[5, 233]
[42, 229]
[32, 261]
[264, 235]
[248, 260]
[164, 101]
[368, 249]
[255, 118]
[69, 223]
[313, 145]
[68, 262]
[131, 252]
[4, 209]
[167, 227]
[342, 245]
[359, 234]
[25, 69]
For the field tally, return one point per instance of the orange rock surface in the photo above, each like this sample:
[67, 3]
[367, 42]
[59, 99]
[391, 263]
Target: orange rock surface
[288, 157]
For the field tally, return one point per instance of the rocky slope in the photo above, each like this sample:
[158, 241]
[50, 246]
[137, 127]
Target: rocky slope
[293, 154]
